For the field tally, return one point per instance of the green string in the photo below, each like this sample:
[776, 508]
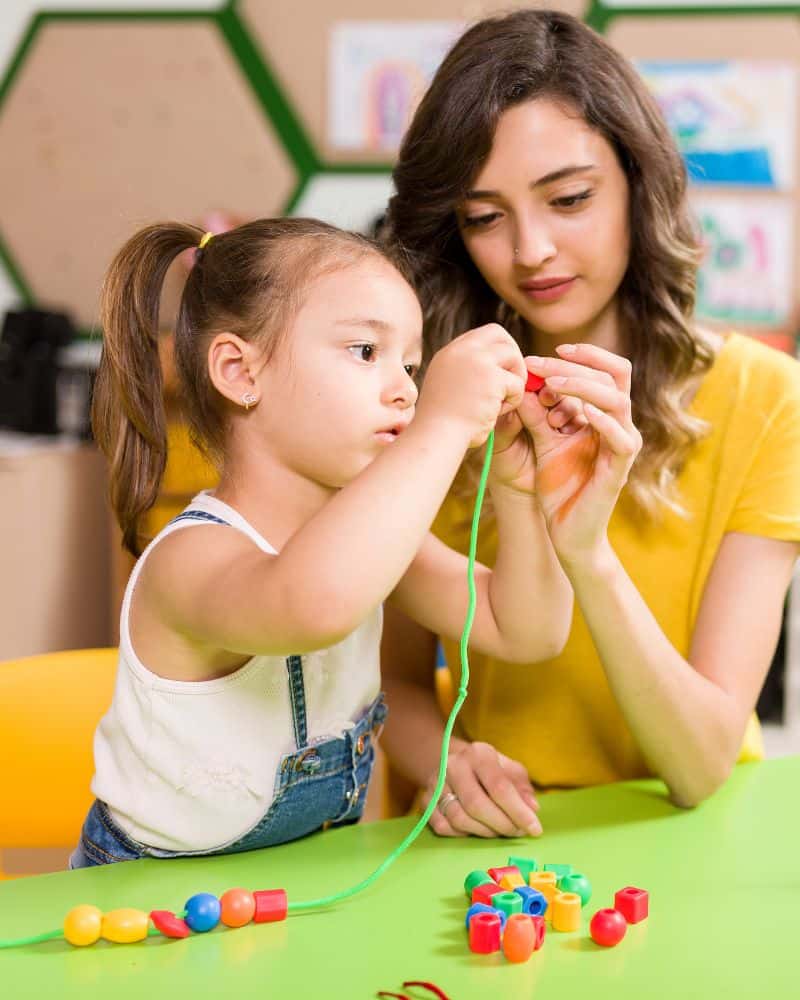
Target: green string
[312, 904]
[336, 897]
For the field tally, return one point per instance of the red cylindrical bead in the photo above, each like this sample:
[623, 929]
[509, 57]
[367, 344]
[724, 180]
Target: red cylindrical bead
[271, 905]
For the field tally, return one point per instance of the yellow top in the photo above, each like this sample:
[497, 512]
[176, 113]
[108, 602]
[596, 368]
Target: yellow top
[559, 718]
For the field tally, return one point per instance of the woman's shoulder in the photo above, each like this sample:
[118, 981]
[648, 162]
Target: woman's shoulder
[747, 370]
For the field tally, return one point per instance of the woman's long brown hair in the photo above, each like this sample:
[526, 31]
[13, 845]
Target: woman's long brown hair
[497, 64]
[248, 281]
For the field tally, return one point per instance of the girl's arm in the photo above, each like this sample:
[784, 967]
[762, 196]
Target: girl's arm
[689, 715]
[524, 604]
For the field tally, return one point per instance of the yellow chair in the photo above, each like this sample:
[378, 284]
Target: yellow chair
[49, 708]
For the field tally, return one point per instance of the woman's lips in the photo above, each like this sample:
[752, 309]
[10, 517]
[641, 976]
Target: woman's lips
[547, 291]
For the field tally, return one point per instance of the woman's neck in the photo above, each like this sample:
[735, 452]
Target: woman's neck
[604, 330]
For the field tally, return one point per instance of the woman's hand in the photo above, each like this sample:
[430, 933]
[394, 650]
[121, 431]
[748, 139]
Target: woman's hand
[579, 476]
[486, 795]
[514, 459]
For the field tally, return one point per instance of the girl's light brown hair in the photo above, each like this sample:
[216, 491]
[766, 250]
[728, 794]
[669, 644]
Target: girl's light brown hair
[249, 281]
[497, 64]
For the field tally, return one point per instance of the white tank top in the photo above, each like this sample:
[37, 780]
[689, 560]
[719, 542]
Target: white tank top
[192, 765]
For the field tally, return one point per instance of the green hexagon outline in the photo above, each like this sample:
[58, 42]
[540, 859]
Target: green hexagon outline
[254, 66]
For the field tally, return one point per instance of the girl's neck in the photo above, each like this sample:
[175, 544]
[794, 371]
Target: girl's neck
[276, 500]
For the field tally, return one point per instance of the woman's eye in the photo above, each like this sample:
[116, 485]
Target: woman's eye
[479, 220]
[364, 352]
[572, 200]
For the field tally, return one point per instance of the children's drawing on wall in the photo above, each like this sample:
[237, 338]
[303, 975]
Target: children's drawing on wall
[377, 72]
[734, 121]
[746, 275]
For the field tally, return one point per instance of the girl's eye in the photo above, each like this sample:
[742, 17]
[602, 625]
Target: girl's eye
[364, 352]
[572, 200]
[411, 370]
[479, 220]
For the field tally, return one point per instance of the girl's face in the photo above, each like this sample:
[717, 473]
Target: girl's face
[342, 386]
[546, 222]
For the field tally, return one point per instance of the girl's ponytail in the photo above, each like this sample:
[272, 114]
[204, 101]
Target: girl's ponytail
[128, 416]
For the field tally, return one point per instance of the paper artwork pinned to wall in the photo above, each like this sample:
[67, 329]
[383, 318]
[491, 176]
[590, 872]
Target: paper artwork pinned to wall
[746, 274]
[734, 122]
[377, 73]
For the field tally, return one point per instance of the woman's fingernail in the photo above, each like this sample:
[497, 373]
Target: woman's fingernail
[566, 348]
[536, 362]
[535, 829]
[556, 380]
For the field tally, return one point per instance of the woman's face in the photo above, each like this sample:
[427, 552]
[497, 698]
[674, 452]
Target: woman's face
[546, 222]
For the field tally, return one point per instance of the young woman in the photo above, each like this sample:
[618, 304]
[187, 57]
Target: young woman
[538, 186]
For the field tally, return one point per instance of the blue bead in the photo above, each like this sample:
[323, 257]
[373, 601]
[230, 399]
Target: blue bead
[202, 912]
[485, 908]
[533, 901]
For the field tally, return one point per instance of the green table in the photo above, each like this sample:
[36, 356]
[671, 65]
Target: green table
[724, 918]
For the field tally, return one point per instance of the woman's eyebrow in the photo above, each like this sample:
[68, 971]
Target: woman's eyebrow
[554, 175]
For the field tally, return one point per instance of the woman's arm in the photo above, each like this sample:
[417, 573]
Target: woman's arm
[493, 794]
[689, 715]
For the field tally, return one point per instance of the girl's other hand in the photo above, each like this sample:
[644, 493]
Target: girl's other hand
[473, 380]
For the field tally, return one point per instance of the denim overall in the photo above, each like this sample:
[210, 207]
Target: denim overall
[317, 786]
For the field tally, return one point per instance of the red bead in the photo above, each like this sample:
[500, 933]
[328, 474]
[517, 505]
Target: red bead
[534, 383]
[483, 893]
[271, 905]
[539, 924]
[608, 927]
[484, 933]
[632, 903]
[169, 925]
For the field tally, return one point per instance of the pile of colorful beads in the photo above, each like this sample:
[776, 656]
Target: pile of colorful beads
[510, 904]
[85, 924]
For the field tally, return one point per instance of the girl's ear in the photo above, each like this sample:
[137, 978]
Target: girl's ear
[231, 369]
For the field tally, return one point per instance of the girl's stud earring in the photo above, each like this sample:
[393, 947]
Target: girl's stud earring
[248, 400]
[516, 251]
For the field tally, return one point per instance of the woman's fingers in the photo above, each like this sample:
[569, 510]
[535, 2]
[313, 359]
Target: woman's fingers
[600, 394]
[618, 367]
[621, 441]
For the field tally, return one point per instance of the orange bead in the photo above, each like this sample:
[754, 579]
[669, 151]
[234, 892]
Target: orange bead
[82, 925]
[519, 937]
[237, 906]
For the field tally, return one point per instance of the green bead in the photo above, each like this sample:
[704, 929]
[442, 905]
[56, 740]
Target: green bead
[577, 883]
[525, 865]
[560, 870]
[508, 902]
[474, 879]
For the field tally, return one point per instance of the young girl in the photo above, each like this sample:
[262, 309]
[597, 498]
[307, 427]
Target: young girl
[247, 694]
[556, 205]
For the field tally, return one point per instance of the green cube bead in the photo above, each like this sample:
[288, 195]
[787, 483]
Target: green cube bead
[474, 879]
[508, 902]
[577, 883]
[560, 870]
[525, 865]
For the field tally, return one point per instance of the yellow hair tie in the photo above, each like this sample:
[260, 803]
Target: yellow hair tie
[205, 240]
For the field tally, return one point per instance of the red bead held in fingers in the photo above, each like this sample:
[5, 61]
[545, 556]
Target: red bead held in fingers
[534, 383]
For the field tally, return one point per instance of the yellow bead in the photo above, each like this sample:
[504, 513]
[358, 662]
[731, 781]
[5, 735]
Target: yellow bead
[82, 925]
[566, 911]
[545, 883]
[125, 926]
[510, 882]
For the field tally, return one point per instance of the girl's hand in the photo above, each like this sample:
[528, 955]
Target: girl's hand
[579, 477]
[473, 380]
[514, 460]
[486, 795]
